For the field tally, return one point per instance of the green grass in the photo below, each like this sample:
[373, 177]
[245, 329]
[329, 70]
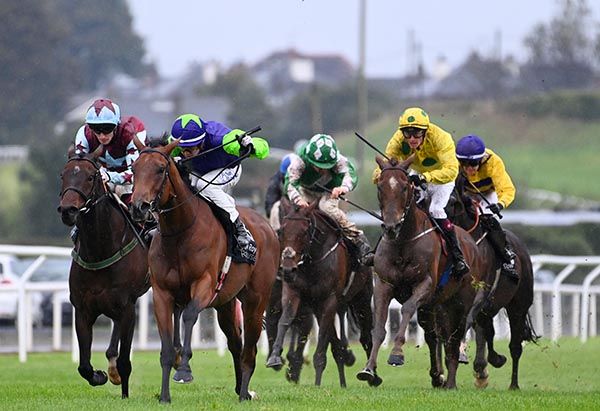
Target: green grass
[562, 376]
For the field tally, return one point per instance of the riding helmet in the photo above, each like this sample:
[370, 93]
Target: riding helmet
[190, 129]
[321, 151]
[103, 111]
[414, 117]
[470, 147]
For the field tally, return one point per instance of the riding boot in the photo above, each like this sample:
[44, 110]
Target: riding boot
[460, 265]
[497, 238]
[242, 235]
[365, 254]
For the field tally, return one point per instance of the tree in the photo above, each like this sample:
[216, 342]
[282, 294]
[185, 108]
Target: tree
[561, 53]
[36, 75]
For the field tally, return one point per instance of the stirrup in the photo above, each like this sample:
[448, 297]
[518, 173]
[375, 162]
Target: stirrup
[509, 270]
[460, 267]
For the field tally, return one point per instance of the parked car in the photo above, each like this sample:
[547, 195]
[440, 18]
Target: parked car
[11, 270]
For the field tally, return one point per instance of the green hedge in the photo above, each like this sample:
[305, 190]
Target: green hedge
[563, 104]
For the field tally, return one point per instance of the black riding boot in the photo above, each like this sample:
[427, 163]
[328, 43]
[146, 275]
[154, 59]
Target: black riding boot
[242, 235]
[497, 238]
[365, 254]
[460, 265]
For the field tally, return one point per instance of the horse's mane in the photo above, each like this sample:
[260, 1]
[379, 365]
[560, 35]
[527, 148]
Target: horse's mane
[158, 141]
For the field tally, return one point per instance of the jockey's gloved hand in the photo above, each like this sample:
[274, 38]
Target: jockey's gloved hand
[418, 181]
[495, 208]
[104, 175]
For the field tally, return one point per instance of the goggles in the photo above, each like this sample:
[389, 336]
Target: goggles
[472, 162]
[413, 132]
[102, 128]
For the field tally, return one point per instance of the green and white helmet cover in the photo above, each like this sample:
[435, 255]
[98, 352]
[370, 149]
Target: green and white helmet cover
[321, 151]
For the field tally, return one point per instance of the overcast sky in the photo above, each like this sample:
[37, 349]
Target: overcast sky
[178, 32]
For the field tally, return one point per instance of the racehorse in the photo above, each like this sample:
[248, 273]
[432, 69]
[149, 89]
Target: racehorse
[109, 269]
[412, 267]
[499, 292]
[191, 269]
[317, 271]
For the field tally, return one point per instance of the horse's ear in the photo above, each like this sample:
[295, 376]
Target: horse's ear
[138, 144]
[71, 151]
[169, 147]
[409, 160]
[96, 153]
[381, 162]
[312, 206]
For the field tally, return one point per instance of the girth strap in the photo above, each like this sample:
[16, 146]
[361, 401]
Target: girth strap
[107, 262]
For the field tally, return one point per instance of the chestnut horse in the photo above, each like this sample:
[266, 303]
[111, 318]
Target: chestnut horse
[317, 272]
[190, 268]
[411, 266]
[500, 291]
[109, 269]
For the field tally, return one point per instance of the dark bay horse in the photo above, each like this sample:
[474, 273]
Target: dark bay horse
[499, 292]
[191, 270]
[109, 269]
[411, 266]
[317, 271]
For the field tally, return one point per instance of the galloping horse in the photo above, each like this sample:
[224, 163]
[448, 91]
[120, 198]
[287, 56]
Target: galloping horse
[500, 292]
[412, 267]
[109, 269]
[190, 267]
[317, 271]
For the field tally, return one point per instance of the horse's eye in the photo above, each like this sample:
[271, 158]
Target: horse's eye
[160, 170]
[90, 178]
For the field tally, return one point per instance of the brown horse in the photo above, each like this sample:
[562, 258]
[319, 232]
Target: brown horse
[190, 267]
[412, 267]
[500, 291]
[317, 271]
[109, 269]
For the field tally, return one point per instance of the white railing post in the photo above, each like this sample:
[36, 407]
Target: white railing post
[144, 320]
[22, 308]
[556, 330]
[585, 303]
[56, 322]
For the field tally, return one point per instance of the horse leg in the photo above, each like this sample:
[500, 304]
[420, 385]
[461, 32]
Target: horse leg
[347, 354]
[273, 314]
[360, 306]
[338, 349]
[304, 324]
[127, 326]
[177, 311]
[420, 292]
[253, 308]
[83, 328]
[495, 359]
[325, 313]
[228, 322]
[382, 295]
[163, 311]
[454, 336]
[183, 375]
[290, 302]
[480, 363]
[112, 352]
[427, 322]
[517, 322]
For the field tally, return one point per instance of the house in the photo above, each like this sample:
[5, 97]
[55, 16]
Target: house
[284, 74]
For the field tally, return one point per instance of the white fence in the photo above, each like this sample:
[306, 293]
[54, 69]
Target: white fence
[579, 296]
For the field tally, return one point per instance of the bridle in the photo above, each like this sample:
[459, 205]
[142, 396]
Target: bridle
[90, 199]
[409, 200]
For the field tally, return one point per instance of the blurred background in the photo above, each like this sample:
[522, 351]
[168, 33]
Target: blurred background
[525, 77]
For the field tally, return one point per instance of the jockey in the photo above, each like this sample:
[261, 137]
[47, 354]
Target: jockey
[434, 169]
[320, 162]
[275, 191]
[215, 175]
[104, 127]
[487, 176]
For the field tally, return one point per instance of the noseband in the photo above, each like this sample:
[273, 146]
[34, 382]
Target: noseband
[154, 204]
[409, 200]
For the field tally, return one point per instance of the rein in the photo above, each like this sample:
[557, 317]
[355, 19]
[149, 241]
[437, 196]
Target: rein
[306, 257]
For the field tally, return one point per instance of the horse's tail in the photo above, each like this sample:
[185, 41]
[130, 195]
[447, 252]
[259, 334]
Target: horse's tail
[529, 333]
[353, 318]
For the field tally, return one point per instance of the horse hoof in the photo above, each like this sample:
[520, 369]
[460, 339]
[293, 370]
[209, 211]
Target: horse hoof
[376, 381]
[113, 376]
[481, 383]
[183, 377]
[497, 361]
[275, 362]
[462, 358]
[349, 359]
[438, 381]
[366, 375]
[292, 376]
[99, 378]
[396, 360]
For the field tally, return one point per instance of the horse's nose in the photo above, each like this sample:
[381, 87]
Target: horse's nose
[68, 214]
[391, 230]
[140, 210]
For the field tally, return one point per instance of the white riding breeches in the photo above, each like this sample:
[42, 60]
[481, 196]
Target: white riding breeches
[439, 194]
[274, 216]
[219, 189]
